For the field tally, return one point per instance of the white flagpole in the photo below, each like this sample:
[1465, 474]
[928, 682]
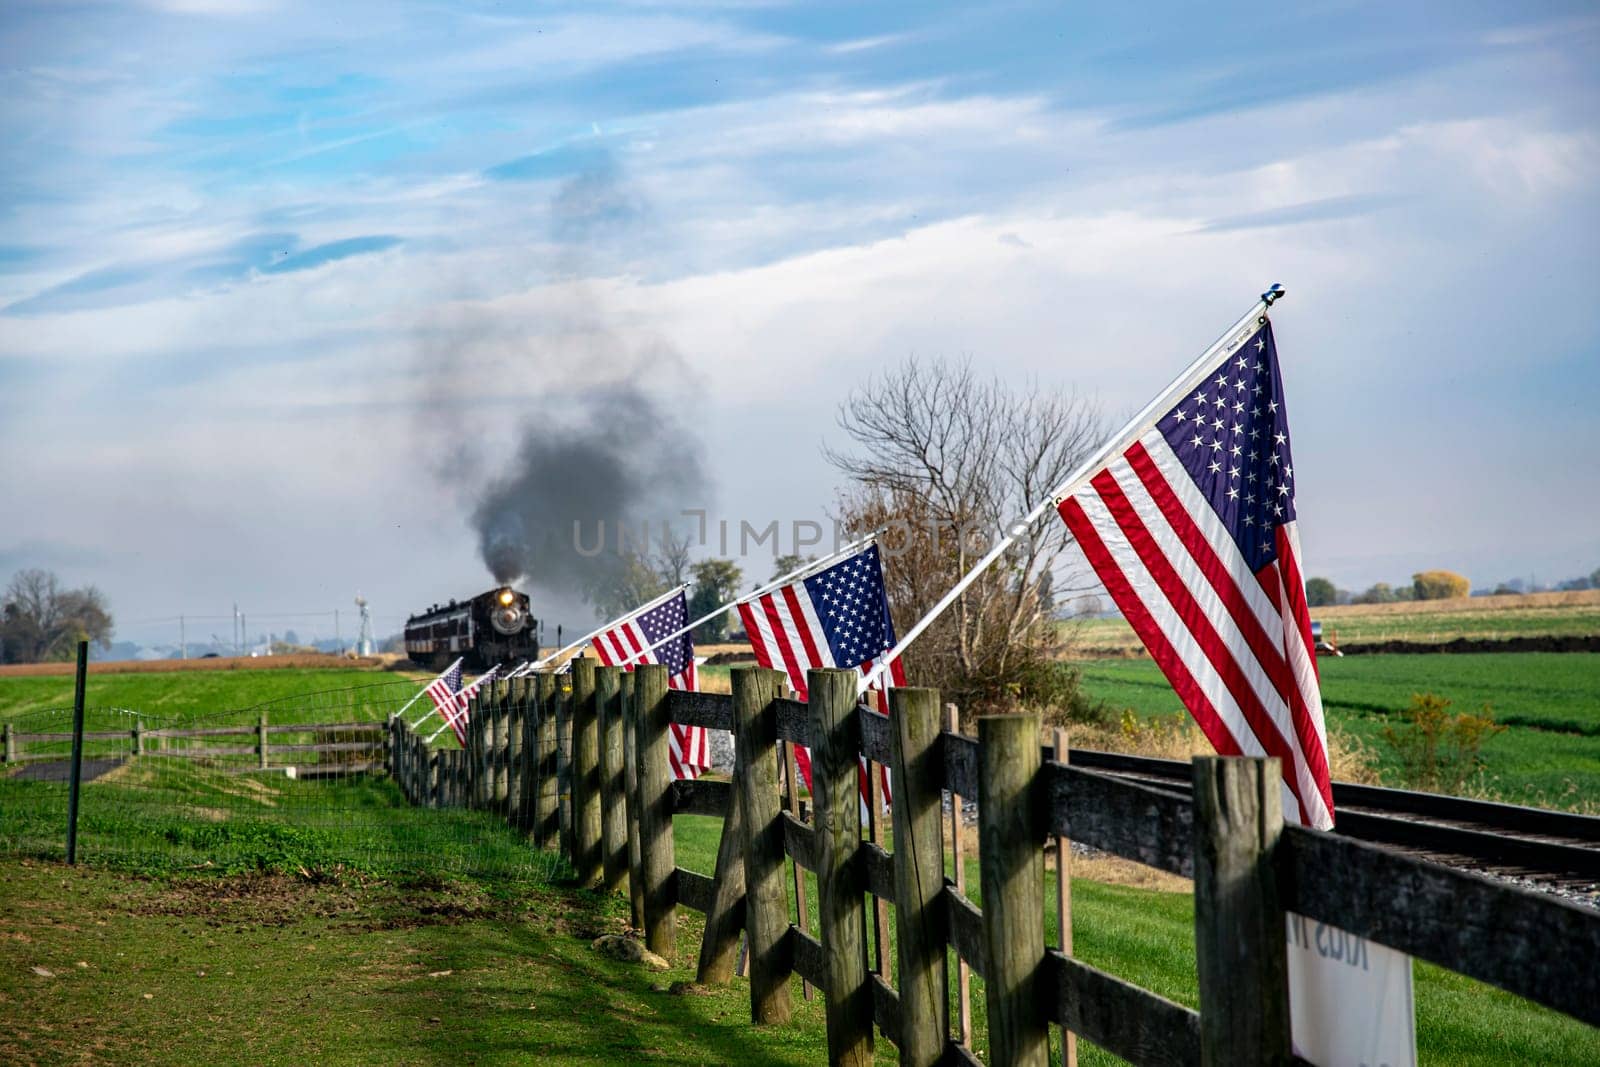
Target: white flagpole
[1073, 482]
[798, 572]
[424, 689]
[618, 621]
[473, 688]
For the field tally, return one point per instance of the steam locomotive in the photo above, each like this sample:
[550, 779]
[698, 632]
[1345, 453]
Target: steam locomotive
[493, 627]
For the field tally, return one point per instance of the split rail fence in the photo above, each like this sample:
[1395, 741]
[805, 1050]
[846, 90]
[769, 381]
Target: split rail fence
[350, 747]
[579, 762]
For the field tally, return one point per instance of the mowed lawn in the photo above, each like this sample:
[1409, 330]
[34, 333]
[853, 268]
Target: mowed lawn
[1550, 702]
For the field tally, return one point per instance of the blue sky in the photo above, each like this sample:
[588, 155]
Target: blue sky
[232, 235]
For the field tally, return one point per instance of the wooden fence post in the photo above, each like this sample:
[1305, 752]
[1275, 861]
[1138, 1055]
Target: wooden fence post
[790, 770]
[719, 946]
[529, 775]
[1069, 1040]
[11, 743]
[1239, 937]
[958, 858]
[630, 789]
[416, 768]
[655, 808]
[433, 777]
[585, 775]
[613, 805]
[261, 740]
[513, 751]
[138, 737]
[389, 746]
[918, 767]
[564, 761]
[475, 780]
[547, 785]
[1011, 863]
[766, 911]
[841, 907]
[497, 745]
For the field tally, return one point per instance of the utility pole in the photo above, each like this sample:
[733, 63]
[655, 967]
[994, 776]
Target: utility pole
[183, 640]
[236, 628]
[338, 640]
[244, 633]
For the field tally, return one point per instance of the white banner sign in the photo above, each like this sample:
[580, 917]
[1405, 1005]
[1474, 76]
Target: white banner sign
[1350, 999]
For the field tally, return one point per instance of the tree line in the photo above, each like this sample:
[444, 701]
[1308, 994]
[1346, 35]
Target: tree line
[1432, 585]
[42, 620]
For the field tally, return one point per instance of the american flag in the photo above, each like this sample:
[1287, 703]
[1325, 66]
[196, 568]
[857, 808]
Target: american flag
[1191, 527]
[633, 641]
[445, 692]
[458, 722]
[837, 617]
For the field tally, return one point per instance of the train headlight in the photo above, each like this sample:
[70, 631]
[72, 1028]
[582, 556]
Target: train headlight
[508, 616]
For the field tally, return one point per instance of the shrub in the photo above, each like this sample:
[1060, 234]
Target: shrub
[1056, 692]
[1438, 750]
[1439, 585]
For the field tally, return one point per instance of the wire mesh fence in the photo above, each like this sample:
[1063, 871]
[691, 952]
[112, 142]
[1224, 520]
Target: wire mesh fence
[294, 784]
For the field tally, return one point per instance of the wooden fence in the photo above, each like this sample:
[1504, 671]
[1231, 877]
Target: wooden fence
[580, 762]
[345, 740]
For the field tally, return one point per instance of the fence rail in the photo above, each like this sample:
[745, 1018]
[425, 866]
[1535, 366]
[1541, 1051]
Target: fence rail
[139, 738]
[580, 763]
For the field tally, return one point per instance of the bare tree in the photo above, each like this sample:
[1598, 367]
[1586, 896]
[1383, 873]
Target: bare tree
[39, 620]
[673, 560]
[949, 460]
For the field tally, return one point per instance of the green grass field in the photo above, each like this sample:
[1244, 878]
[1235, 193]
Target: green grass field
[182, 694]
[1492, 618]
[1550, 755]
[419, 936]
[281, 971]
[268, 969]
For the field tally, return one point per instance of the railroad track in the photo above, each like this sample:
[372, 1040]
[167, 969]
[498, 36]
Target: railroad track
[1550, 848]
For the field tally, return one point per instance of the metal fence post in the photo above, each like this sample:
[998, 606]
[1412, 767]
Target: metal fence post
[261, 740]
[77, 753]
[11, 743]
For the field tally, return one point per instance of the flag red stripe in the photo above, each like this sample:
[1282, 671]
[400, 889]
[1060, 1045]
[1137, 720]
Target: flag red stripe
[1133, 609]
[1211, 643]
[1305, 727]
[781, 639]
[792, 598]
[1269, 656]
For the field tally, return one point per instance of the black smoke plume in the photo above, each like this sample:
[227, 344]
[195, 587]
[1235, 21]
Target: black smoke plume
[592, 400]
[607, 462]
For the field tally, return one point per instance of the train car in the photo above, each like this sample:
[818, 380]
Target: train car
[493, 627]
